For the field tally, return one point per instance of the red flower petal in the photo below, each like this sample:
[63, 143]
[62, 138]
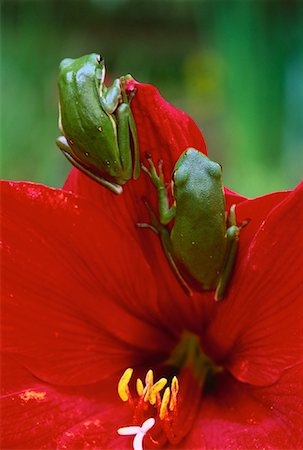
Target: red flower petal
[38, 415]
[232, 198]
[98, 432]
[258, 329]
[239, 416]
[65, 316]
[163, 130]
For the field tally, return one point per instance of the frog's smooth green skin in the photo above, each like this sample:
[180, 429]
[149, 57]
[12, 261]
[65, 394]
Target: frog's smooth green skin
[200, 248]
[99, 131]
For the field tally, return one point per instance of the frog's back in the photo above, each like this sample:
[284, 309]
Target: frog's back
[198, 234]
[81, 110]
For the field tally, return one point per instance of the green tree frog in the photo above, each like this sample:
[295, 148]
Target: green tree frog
[99, 131]
[200, 248]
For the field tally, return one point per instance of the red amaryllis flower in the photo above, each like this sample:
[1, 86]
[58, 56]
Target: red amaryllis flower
[88, 297]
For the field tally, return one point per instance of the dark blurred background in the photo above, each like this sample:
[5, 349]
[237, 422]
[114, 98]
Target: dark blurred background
[235, 66]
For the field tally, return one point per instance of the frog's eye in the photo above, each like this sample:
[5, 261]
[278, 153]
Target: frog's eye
[99, 59]
[173, 183]
[173, 176]
[215, 169]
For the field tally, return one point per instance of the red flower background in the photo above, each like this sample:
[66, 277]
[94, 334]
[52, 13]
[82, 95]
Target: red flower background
[87, 294]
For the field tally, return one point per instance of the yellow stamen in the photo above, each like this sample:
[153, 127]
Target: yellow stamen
[174, 393]
[155, 389]
[146, 393]
[149, 379]
[123, 389]
[139, 386]
[165, 400]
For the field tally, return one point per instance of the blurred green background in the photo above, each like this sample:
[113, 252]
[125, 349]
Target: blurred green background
[235, 66]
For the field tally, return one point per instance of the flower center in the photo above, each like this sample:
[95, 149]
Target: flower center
[173, 405]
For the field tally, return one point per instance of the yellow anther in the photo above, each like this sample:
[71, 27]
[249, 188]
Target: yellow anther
[139, 386]
[155, 389]
[123, 389]
[165, 400]
[149, 379]
[175, 385]
[146, 393]
[174, 393]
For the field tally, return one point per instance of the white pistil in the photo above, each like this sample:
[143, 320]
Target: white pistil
[139, 432]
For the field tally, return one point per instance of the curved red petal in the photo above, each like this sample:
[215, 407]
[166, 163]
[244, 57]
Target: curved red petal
[232, 198]
[257, 331]
[237, 415]
[38, 415]
[99, 431]
[74, 294]
[163, 130]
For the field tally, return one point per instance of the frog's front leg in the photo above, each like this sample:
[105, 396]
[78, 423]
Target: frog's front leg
[128, 141]
[115, 101]
[110, 97]
[166, 213]
[232, 240]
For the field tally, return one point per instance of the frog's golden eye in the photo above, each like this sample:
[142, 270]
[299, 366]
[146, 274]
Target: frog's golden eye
[99, 59]
[173, 177]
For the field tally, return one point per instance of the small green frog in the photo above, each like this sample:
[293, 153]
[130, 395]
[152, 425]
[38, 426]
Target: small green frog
[200, 248]
[99, 131]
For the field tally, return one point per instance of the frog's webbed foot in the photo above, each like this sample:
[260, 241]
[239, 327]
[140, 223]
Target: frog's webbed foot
[131, 95]
[157, 179]
[166, 213]
[126, 98]
[232, 221]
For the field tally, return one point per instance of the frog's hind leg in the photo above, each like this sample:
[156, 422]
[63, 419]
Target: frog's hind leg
[232, 237]
[163, 234]
[155, 224]
[135, 147]
[67, 152]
